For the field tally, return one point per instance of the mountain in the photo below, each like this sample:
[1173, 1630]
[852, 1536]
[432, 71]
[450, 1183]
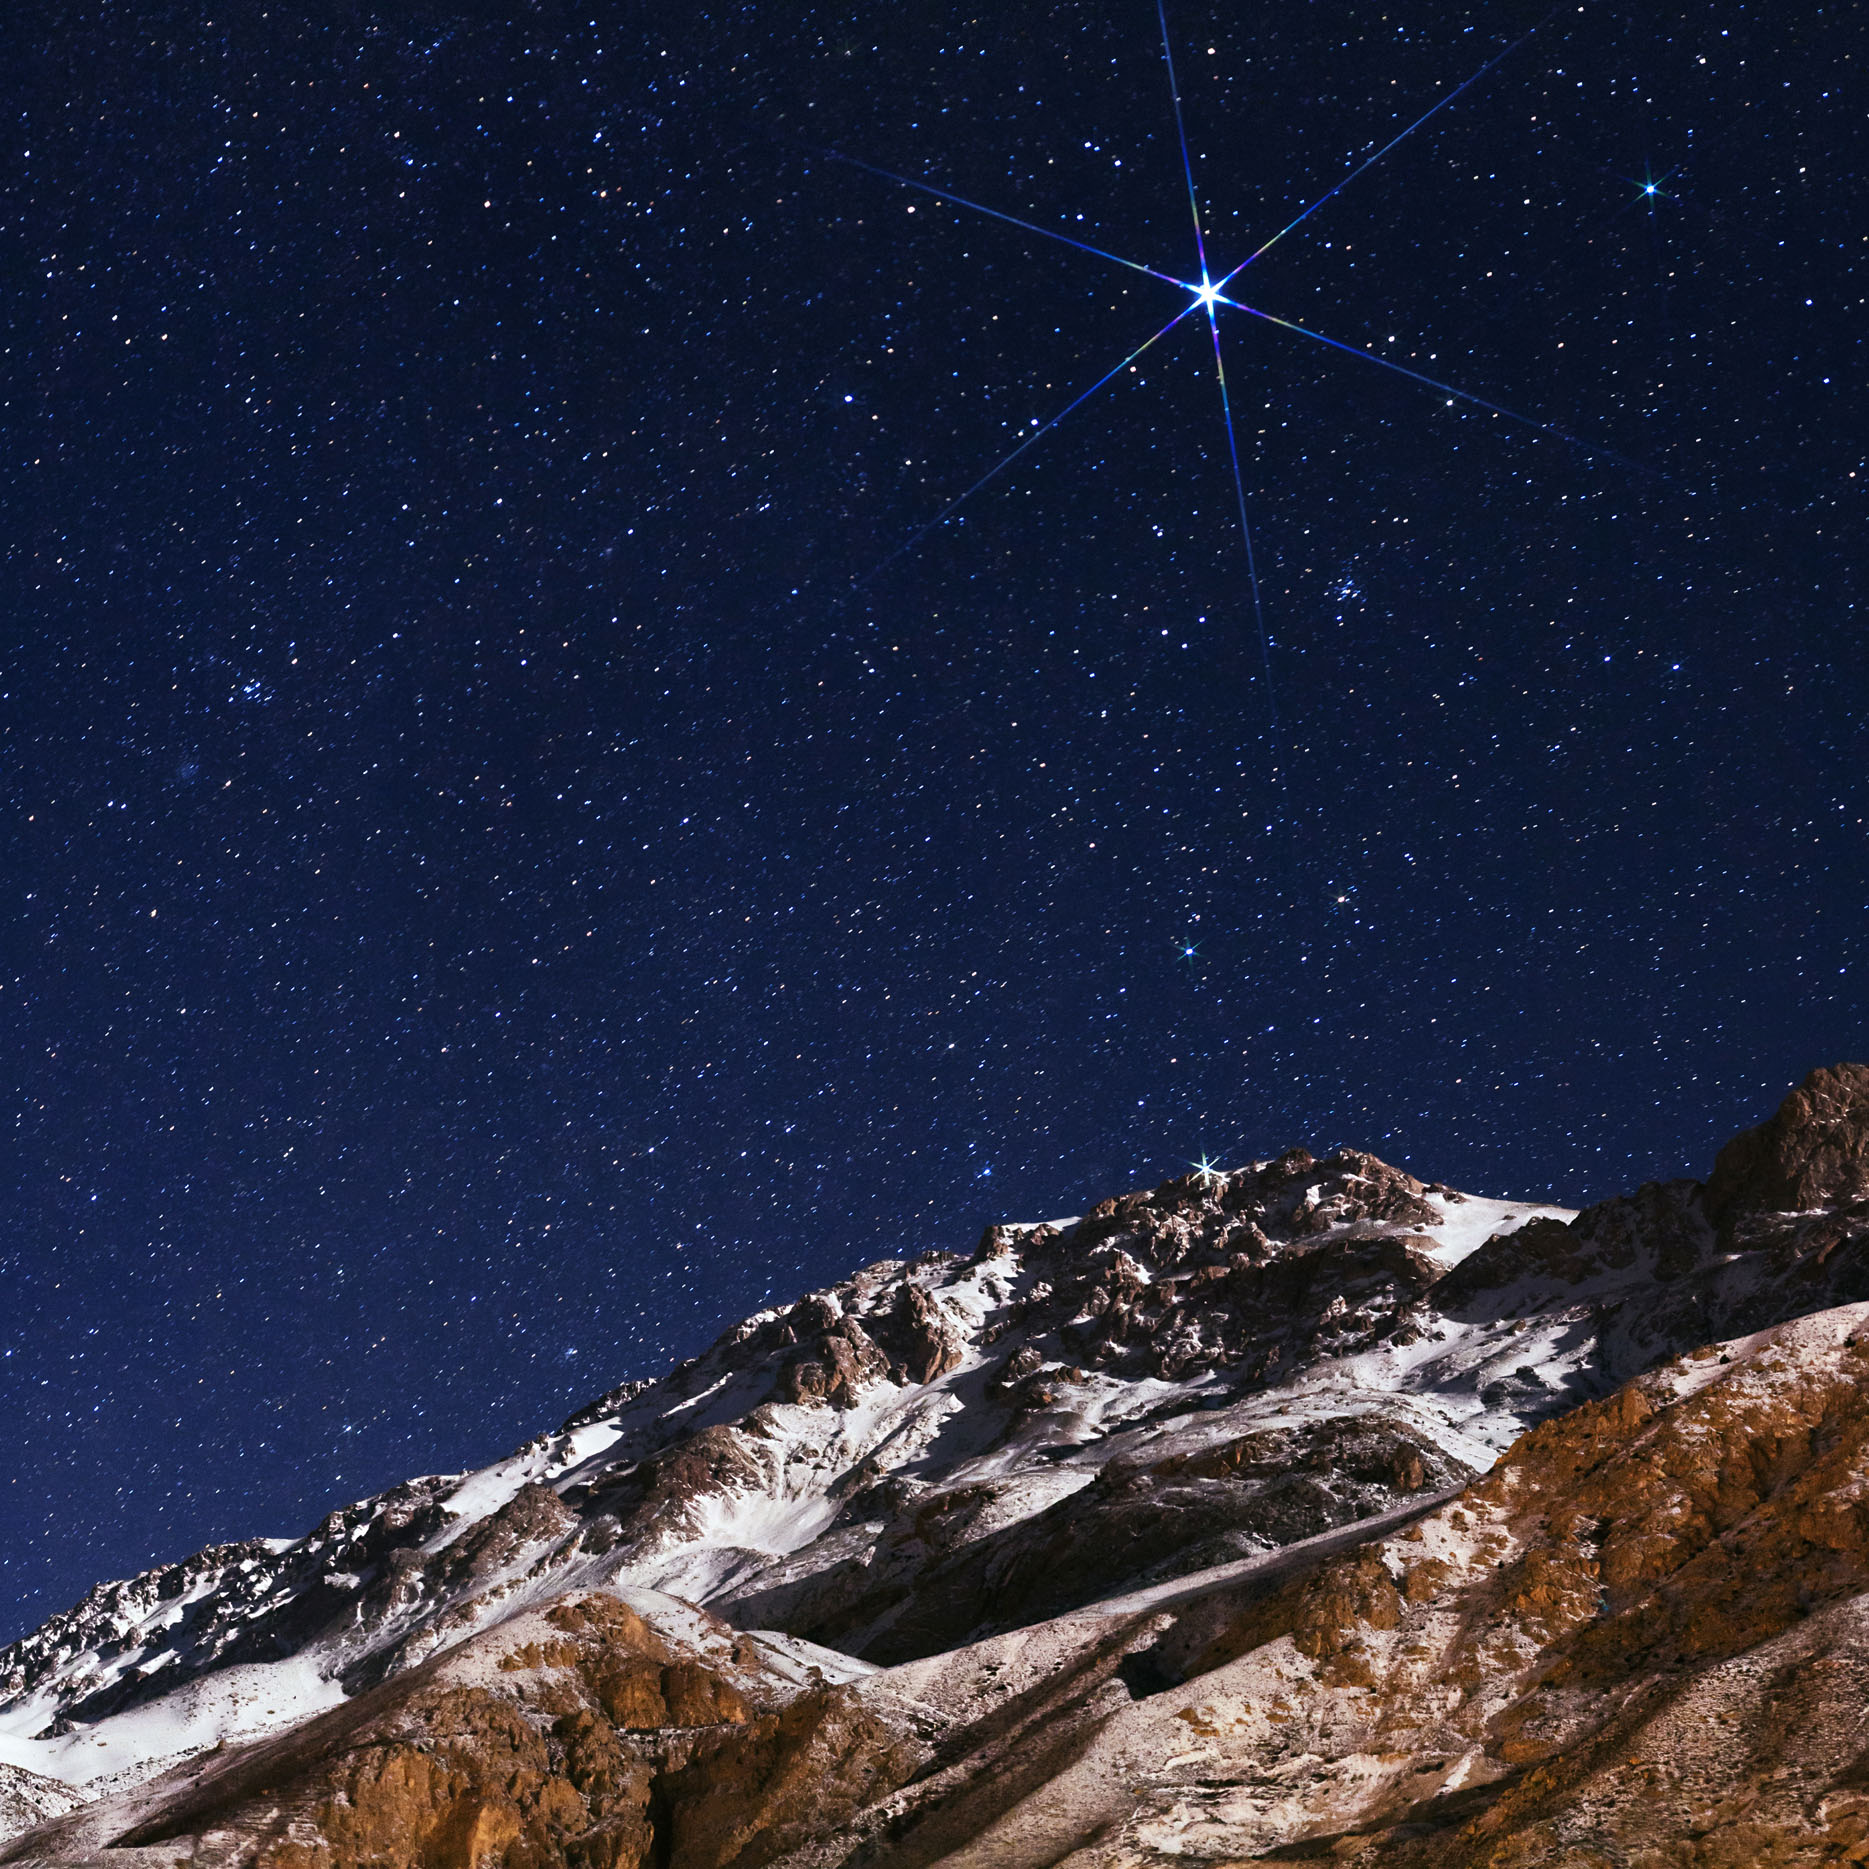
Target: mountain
[1303, 1511]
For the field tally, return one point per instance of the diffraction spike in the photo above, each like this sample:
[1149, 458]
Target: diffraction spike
[1208, 294]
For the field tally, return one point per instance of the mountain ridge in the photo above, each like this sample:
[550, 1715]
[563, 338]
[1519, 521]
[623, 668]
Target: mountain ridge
[931, 1458]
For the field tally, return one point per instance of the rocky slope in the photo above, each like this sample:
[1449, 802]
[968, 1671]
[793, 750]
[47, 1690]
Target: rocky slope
[1180, 1529]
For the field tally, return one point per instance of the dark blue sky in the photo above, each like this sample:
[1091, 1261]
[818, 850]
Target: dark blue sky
[490, 902]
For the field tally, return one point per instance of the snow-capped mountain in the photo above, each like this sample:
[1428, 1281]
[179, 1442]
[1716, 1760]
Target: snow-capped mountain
[855, 1531]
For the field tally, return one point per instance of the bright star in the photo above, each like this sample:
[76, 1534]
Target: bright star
[1206, 297]
[1652, 187]
[1208, 1172]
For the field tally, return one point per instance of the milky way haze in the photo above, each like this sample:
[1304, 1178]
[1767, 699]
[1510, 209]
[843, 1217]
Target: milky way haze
[502, 882]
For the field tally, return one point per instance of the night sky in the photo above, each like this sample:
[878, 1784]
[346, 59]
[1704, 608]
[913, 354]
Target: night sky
[511, 866]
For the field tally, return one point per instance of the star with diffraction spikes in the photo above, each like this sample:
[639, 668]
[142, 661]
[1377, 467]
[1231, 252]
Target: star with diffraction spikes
[1207, 293]
[1651, 188]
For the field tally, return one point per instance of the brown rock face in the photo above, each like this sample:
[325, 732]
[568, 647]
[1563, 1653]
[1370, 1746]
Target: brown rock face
[1650, 1601]
[1813, 1153]
[932, 1345]
[579, 1739]
[836, 1365]
[1641, 1643]
[749, 1796]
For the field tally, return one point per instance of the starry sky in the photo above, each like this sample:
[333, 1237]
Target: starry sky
[511, 862]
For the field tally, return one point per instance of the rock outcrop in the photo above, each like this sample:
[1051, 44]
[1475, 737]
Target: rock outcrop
[1301, 1511]
[1813, 1153]
[1643, 1639]
[574, 1735]
[27, 1800]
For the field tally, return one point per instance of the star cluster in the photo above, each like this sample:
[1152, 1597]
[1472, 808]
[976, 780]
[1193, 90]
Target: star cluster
[512, 865]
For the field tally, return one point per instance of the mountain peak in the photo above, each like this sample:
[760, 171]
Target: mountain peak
[1812, 1152]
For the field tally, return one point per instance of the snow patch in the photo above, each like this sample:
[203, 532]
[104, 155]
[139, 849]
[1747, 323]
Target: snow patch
[762, 1521]
[482, 1494]
[238, 1703]
[1467, 1225]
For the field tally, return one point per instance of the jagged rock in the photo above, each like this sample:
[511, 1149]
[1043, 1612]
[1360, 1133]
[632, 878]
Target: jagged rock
[747, 1797]
[1639, 1640]
[520, 1747]
[27, 1800]
[1132, 1526]
[934, 1343]
[1814, 1152]
[839, 1361]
